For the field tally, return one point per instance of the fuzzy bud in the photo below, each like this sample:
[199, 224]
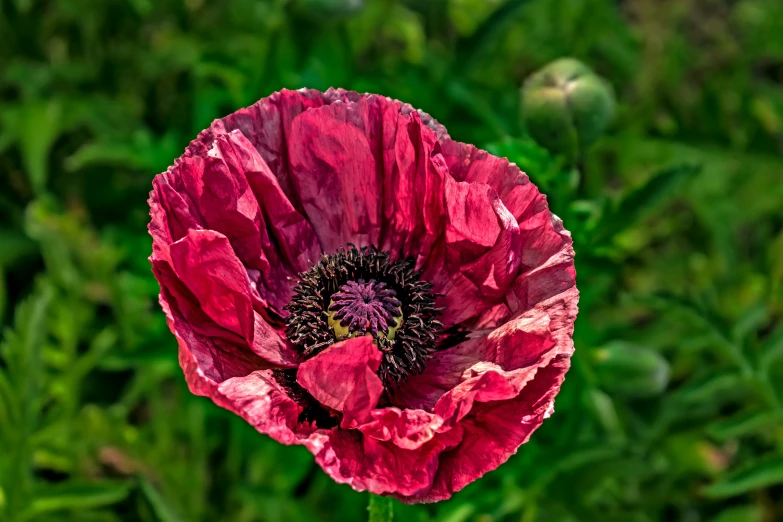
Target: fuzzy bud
[566, 107]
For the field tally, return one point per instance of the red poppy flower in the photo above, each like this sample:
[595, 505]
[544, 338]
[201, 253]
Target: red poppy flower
[344, 276]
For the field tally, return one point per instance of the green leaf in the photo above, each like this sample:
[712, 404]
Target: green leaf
[475, 103]
[640, 202]
[471, 49]
[573, 461]
[100, 345]
[276, 506]
[3, 294]
[745, 423]
[711, 389]
[741, 514]
[771, 349]
[709, 320]
[629, 370]
[776, 263]
[163, 510]
[548, 173]
[142, 152]
[22, 395]
[603, 408]
[7, 407]
[24, 5]
[34, 126]
[467, 15]
[22, 348]
[757, 475]
[751, 320]
[531, 158]
[14, 246]
[458, 513]
[73, 496]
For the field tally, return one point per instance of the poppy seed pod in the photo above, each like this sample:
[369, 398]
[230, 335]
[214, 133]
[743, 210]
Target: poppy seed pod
[566, 106]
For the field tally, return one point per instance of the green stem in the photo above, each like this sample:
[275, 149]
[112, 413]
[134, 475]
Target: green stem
[380, 509]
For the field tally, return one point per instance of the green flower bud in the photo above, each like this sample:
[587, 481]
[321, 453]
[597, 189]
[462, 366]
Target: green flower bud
[566, 107]
[631, 371]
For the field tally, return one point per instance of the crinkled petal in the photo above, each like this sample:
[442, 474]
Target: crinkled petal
[553, 276]
[230, 189]
[343, 378]
[225, 200]
[541, 238]
[408, 429]
[381, 467]
[172, 212]
[290, 235]
[208, 353]
[267, 124]
[413, 186]
[205, 263]
[176, 295]
[263, 403]
[207, 360]
[285, 241]
[361, 168]
[469, 164]
[365, 173]
[472, 226]
[526, 341]
[481, 255]
[494, 431]
[335, 175]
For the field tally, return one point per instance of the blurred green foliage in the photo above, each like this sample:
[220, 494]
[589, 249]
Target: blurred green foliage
[672, 409]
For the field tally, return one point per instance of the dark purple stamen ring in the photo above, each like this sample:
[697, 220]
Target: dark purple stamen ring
[358, 305]
[359, 291]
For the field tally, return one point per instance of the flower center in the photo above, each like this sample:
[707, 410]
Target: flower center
[360, 307]
[356, 292]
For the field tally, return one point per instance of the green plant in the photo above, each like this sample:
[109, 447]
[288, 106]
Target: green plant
[675, 212]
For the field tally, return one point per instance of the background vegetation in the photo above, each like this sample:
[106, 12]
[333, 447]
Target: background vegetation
[672, 410]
